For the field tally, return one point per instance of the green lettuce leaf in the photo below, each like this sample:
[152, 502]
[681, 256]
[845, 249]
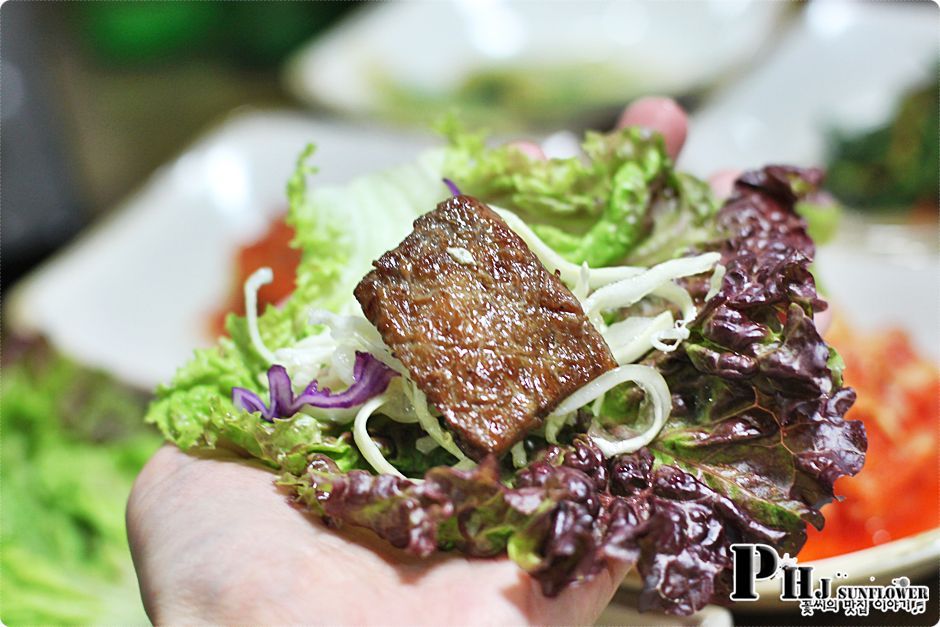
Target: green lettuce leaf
[72, 445]
[623, 202]
[339, 231]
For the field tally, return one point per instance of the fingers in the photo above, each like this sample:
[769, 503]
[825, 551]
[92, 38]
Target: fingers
[531, 149]
[659, 114]
[722, 182]
[580, 604]
[823, 320]
[656, 113]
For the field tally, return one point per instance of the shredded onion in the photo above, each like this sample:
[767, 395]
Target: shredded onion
[630, 290]
[305, 359]
[399, 407]
[431, 425]
[569, 272]
[332, 414]
[677, 334]
[260, 277]
[714, 285]
[622, 286]
[597, 405]
[425, 444]
[678, 296]
[359, 332]
[632, 338]
[519, 457]
[364, 441]
[625, 330]
[647, 378]
[583, 285]
[553, 424]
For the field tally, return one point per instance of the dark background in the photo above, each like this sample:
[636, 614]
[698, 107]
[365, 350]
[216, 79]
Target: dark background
[96, 95]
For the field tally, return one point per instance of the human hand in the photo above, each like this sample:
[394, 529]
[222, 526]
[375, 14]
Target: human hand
[215, 540]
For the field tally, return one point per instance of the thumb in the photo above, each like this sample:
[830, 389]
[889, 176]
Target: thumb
[580, 604]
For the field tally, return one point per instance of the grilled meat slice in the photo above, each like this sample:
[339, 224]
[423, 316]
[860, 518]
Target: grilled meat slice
[492, 338]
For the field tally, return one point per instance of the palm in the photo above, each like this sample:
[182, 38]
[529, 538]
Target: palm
[215, 540]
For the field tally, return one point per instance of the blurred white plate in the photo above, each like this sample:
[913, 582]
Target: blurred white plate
[882, 275]
[842, 65]
[405, 59]
[622, 611]
[134, 295]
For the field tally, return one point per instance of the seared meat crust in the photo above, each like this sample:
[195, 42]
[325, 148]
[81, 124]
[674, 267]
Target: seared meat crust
[492, 338]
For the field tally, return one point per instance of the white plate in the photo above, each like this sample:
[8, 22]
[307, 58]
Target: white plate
[843, 65]
[622, 611]
[134, 295]
[578, 55]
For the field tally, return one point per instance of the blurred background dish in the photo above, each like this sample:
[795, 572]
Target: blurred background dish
[840, 67]
[152, 275]
[96, 96]
[528, 64]
[101, 99]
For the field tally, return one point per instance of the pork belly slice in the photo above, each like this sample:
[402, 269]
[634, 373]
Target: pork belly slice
[492, 338]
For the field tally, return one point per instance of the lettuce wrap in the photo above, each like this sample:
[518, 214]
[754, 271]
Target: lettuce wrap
[722, 423]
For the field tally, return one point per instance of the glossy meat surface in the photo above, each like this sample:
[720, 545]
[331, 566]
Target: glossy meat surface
[492, 338]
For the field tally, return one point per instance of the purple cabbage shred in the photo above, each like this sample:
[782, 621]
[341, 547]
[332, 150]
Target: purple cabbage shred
[370, 378]
[451, 186]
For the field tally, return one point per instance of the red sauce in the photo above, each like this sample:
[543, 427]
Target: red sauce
[273, 250]
[897, 493]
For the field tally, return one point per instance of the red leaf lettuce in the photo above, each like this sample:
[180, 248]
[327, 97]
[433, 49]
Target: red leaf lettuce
[750, 453]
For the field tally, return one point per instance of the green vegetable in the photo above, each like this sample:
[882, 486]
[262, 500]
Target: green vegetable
[626, 201]
[622, 203]
[196, 408]
[822, 218]
[895, 166]
[339, 231]
[72, 445]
